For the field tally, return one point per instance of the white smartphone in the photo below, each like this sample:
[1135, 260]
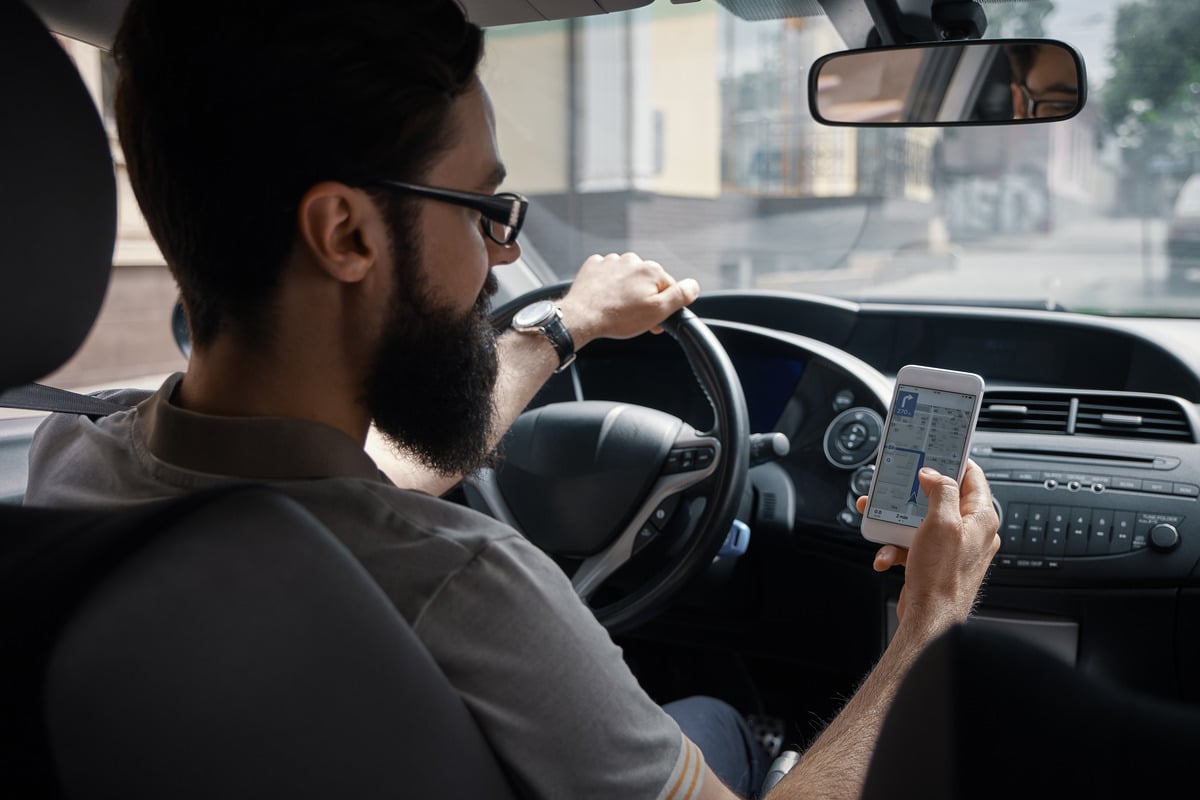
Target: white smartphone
[929, 424]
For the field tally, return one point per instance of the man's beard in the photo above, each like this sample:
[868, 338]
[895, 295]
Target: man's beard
[430, 387]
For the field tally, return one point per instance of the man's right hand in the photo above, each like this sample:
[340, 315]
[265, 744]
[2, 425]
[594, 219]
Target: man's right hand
[622, 296]
[952, 549]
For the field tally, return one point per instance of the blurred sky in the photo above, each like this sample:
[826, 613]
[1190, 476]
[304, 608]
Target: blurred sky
[1086, 24]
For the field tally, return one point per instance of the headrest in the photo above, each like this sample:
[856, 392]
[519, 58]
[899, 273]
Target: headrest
[58, 206]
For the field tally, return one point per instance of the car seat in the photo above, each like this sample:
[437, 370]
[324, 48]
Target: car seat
[219, 644]
[985, 715]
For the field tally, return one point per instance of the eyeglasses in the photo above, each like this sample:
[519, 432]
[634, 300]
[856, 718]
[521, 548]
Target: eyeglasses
[503, 214]
[1045, 109]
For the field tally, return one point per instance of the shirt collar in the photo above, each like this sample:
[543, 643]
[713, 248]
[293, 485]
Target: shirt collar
[259, 448]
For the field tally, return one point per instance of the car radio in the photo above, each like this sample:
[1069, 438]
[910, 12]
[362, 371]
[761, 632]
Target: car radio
[1096, 515]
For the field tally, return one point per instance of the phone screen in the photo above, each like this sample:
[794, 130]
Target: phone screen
[927, 428]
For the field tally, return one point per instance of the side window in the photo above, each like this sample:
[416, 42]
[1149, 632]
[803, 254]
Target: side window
[131, 343]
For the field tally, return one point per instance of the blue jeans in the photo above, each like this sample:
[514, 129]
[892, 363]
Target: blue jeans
[730, 749]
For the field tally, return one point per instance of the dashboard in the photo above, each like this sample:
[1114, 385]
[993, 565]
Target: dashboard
[1089, 436]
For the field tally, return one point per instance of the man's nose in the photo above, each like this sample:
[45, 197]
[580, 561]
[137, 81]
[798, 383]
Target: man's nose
[504, 254]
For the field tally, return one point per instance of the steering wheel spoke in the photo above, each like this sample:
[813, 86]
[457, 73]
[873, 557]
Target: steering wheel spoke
[692, 459]
[593, 483]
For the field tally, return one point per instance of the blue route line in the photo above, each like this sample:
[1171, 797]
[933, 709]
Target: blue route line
[916, 485]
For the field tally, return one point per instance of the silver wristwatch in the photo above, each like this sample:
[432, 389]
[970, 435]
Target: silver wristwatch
[545, 318]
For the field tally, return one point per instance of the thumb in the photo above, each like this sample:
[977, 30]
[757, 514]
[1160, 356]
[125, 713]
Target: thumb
[942, 492]
[676, 296]
[679, 294]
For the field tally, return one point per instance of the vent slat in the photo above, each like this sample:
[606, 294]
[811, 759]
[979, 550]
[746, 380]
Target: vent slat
[1017, 411]
[1157, 418]
[1116, 416]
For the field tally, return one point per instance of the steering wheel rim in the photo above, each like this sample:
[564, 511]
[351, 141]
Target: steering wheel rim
[722, 488]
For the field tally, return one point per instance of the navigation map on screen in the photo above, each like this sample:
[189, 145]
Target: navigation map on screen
[929, 427]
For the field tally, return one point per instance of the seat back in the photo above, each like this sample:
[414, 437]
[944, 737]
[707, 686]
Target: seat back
[58, 223]
[985, 715]
[234, 648]
[222, 643]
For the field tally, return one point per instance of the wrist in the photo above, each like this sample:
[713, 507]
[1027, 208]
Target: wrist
[544, 319]
[574, 318]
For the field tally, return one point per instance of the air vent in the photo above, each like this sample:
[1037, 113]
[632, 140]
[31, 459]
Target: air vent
[1116, 415]
[1025, 412]
[1132, 417]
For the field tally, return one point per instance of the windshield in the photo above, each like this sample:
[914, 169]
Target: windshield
[682, 132]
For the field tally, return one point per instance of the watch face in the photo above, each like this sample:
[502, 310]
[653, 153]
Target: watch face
[534, 314]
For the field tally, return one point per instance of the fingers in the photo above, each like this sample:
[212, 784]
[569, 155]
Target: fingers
[953, 547]
[621, 296]
[889, 556]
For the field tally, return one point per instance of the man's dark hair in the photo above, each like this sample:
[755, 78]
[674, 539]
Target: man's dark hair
[229, 110]
[1020, 59]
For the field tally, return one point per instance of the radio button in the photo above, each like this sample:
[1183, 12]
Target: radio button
[1012, 534]
[1164, 537]
[1128, 484]
[1056, 531]
[1035, 530]
[1077, 532]
[1122, 535]
[1158, 487]
[1187, 490]
[1098, 543]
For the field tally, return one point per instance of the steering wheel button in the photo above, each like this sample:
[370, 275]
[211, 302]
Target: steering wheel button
[704, 457]
[645, 536]
[663, 513]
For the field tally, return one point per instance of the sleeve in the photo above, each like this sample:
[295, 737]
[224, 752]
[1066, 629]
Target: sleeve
[548, 686]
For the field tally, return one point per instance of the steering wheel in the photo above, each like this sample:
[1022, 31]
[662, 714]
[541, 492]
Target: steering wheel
[621, 491]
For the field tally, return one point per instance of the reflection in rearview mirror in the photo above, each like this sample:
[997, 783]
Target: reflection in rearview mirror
[991, 82]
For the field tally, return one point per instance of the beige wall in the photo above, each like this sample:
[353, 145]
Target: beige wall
[525, 73]
[687, 92]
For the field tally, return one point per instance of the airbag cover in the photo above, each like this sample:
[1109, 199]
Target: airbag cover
[574, 474]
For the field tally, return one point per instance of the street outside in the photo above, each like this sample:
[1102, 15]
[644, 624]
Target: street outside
[1104, 265]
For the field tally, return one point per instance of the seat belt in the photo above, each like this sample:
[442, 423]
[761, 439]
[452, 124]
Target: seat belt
[39, 397]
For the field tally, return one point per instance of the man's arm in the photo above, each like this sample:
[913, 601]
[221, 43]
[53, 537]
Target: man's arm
[944, 569]
[612, 296]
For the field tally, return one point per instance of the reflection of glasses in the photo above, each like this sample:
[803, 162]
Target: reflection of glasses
[503, 214]
[1046, 108]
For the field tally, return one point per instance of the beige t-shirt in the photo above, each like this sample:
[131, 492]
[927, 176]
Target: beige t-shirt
[541, 676]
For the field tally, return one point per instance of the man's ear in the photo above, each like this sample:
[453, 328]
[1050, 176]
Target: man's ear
[342, 230]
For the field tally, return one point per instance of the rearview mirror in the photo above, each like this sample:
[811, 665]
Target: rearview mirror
[994, 82]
